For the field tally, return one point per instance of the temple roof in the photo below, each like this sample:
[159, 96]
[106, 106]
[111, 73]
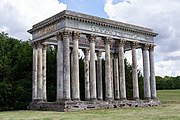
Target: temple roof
[67, 14]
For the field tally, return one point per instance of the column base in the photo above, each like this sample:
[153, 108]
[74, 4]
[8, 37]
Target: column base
[116, 99]
[135, 98]
[66, 99]
[59, 100]
[75, 99]
[93, 99]
[147, 98]
[44, 100]
[87, 99]
[154, 98]
[37, 100]
[108, 99]
[100, 99]
[123, 99]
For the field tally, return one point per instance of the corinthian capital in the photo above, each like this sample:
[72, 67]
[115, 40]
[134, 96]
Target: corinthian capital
[107, 40]
[58, 36]
[76, 35]
[122, 42]
[44, 45]
[91, 38]
[86, 51]
[34, 44]
[151, 47]
[134, 44]
[99, 53]
[145, 46]
[116, 55]
[66, 34]
[39, 44]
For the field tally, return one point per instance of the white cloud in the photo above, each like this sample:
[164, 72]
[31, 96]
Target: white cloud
[160, 15]
[17, 16]
[170, 67]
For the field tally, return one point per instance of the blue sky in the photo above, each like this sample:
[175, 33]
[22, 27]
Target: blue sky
[163, 16]
[92, 7]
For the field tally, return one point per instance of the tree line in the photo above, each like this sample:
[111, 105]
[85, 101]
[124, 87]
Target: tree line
[167, 82]
[16, 74]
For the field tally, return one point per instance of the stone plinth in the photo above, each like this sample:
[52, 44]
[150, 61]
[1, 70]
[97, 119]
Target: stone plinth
[66, 106]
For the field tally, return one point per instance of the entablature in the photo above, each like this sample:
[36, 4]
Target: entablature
[73, 20]
[90, 25]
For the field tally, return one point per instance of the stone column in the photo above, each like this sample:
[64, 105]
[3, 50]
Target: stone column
[152, 72]
[99, 76]
[122, 70]
[86, 74]
[108, 86]
[44, 93]
[39, 80]
[116, 77]
[147, 94]
[112, 77]
[35, 61]
[59, 67]
[92, 39]
[71, 68]
[134, 72]
[66, 63]
[75, 77]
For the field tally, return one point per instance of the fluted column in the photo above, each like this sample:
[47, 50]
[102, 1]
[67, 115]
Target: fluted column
[66, 58]
[99, 76]
[112, 75]
[71, 67]
[75, 77]
[122, 70]
[152, 72]
[116, 77]
[35, 62]
[39, 80]
[147, 94]
[134, 71]
[92, 39]
[60, 75]
[108, 89]
[44, 93]
[86, 74]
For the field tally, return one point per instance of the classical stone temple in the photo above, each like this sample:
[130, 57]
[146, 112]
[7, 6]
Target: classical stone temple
[71, 31]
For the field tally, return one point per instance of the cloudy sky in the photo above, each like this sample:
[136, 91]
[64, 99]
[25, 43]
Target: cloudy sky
[163, 16]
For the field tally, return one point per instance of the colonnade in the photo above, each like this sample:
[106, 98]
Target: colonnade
[68, 87]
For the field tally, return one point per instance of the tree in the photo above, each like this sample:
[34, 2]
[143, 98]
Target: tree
[51, 73]
[15, 73]
[129, 83]
[176, 82]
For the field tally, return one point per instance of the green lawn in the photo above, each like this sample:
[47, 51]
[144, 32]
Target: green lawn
[166, 111]
[169, 96]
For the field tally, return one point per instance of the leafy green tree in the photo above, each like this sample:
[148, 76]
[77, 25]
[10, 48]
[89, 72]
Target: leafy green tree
[176, 82]
[15, 73]
[129, 82]
[167, 82]
[159, 83]
[51, 73]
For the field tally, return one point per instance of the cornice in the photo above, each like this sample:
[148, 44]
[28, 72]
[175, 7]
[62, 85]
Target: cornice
[67, 14]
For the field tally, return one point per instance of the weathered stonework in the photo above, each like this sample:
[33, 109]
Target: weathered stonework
[71, 31]
[66, 106]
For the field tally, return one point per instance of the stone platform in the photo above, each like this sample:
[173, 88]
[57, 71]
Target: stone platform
[65, 106]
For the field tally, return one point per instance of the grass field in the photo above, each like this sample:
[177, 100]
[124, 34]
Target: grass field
[169, 110]
[169, 96]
